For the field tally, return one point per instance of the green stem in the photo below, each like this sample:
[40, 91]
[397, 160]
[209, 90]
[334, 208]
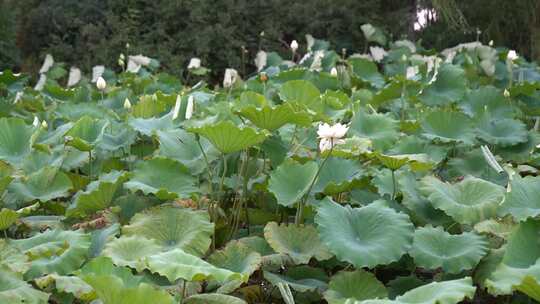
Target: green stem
[394, 184]
[90, 164]
[5, 235]
[183, 292]
[210, 175]
[403, 102]
[223, 176]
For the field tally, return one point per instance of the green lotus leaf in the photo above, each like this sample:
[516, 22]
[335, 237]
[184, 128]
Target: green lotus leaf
[290, 181]
[228, 138]
[8, 217]
[273, 118]
[433, 248]
[358, 285]
[150, 126]
[131, 251]
[163, 177]
[445, 292]
[523, 200]
[177, 264]
[14, 290]
[11, 258]
[103, 266]
[474, 163]
[381, 129]
[98, 195]
[100, 237]
[213, 298]
[468, 202]
[367, 71]
[269, 258]
[417, 145]
[236, 257]
[448, 127]
[487, 99]
[6, 176]
[450, 86]
[503, 132]
[117, 137]
[302, 92]
[401, 285]
[182, 146]
[44, 185]
[501, 228]
[54, 251]
[67, 284]
[75, 111]
[520, 265]
[172, 227]
[15, 140]
[301, 243]
[367, 236]
[338, 175]
[301, 278]
[86, 133]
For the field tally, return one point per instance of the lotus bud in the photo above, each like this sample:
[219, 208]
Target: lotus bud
[44, 124]
[261, 34]
[35, 123]
[506, 93]
[194, 63]
[177, 107]
[231, 75]
[189, 107]
[122, 56]
[260, 60]
[127, 104]
[101, 84]
[512, 55]
[294, 46]
[491, 43]
[263, 77]
[333, 72]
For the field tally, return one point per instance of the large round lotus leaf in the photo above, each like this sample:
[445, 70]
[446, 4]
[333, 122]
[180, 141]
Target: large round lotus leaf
[98, 195]
[117, 137]
[100, 237]
[468, 202]
[523, 200]
[473, 162]
[446, 292]
[448, 127]
[381, 129]
[228, 138]
[367, 236]
[503, 132]
[14, 290]
[54, 251]
[450, 86]
[520, 266]
[354, 286]
[150, 126]
[8, 217]
[131, 251]
[273, 118]
[44, 185]
[367, 71]
[290, 181]
[301, 91]
[12, 258]
[103, 266]
[172, 227]
[338, 175]
[67, 284]
[182, 146]
[236, 257]
[487, 99]
[401, 285]
[435, 248]
[15, 140]
[177, 264]
[301, 243]
[86, 133]
[213, 298]
[163, 177]
[301, 278]
[417, 145]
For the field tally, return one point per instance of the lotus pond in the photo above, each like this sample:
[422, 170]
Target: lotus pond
[401, 176]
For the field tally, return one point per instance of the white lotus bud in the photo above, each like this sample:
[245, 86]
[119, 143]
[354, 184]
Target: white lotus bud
[310, 41]
[194, 63]
[18, 97]
[47, 64]
[74, 76]
[41, 82]
[260, 60]
[101, 84]
[44, 124]
[177, 105]
[122, 56]
[127, 104]
[491, 43]
[294, 46]
[261, 34]
[333, 72]
[512, 55]
[35, 123]
[189, 107]
[506, 93]
[231, 75]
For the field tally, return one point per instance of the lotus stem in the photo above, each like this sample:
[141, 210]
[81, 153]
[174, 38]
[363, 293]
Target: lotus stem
[90, 164]
[223, 176]
[210, 175]
[394, 185]
[403, 88]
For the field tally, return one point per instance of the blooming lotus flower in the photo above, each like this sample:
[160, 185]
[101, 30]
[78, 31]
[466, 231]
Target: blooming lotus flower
[189, 107]
[332, 132]
[326, 144]
[177, 107]
[378, 53]
[333, 72]
[127, 104]
[194, 63]
[101, 84]
[512, 55]
[412, 71]
[35, 123]
[231, 75]
[294, 46]
[260, 60]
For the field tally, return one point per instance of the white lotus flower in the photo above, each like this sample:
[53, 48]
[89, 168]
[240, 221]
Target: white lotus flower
[412, 71]
[41, 82]
[310, 41]
[194, 63]
[136, 62]
[35, 123]
[326, 144]
[294, 46]
[189, 107]
[336, 131]
[18, 97]
[378, 53]
[44, 124]
[127, 104]
[47, 64]
[333, 72]
[260, 60]
[97, 72]
[368, 30]
[316, 64]
[101, 84]
[491, 43]
[231, 75]
[177, 107]
[506, 93]
[74, 76]
[512, 55]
